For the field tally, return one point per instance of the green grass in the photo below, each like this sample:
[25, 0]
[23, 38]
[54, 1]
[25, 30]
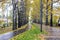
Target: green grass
[31, 34]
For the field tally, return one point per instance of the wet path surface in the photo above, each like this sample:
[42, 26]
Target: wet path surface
[53, 33]
[6, 36]
[9, 35]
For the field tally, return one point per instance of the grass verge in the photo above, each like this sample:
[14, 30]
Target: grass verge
[31, 34]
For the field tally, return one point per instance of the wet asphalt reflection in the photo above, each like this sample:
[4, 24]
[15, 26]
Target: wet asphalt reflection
[9, 35]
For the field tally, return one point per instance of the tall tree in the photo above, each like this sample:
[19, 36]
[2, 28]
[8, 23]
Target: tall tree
[15, 12]
[21, 14]
[51, 18]
[47, 12]
[41, 13]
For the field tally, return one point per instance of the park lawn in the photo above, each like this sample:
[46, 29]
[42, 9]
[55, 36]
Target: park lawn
[9, 29]
[6, 29]
[31, 34]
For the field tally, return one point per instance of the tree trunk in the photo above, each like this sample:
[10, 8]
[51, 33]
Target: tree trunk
[51, 19]
[41, 13]
[15, 12]
[47, 12]
[21, 14]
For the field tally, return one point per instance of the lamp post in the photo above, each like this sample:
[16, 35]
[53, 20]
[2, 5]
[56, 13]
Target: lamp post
[41, 13]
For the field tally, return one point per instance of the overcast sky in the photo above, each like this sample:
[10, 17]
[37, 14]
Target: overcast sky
[56, 5]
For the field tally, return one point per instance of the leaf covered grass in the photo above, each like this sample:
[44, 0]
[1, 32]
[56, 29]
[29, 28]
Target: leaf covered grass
[31, 34]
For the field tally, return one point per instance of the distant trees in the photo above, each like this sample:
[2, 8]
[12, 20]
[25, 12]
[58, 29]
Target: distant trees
[21, 11]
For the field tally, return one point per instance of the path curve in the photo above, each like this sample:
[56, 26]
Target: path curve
[9, 35]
